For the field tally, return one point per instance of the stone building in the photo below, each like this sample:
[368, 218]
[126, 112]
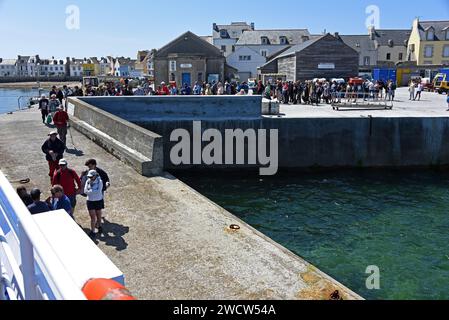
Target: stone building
[380, 48]
[188, 59]
[323, 57]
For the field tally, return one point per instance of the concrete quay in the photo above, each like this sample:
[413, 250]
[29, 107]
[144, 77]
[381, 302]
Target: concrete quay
[170, 241]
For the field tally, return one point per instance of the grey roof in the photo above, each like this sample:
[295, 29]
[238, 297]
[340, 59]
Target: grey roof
[189, 43]
[440, 28]
[8, 61]
[398, 37]
[300, 47]
[359, 42]
[254, 37]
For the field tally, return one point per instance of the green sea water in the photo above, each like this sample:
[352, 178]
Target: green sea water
[344, 222]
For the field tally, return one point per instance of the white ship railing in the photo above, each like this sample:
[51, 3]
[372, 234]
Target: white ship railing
[29, 267]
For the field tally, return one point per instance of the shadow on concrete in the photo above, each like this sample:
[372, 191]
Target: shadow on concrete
[75, 152]
[113, 235]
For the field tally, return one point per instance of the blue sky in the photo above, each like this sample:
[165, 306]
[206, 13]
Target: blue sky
[123, 27]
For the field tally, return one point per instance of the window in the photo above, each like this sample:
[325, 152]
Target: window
[446, 51]
[264, 40]
[366, 61]
[172, 66]
[430, 35]
[447, 34]
[223, 48]
[428, 51]
[244, 58]
[233, 48]
[388, 56]
[264, 53]
[283, 40]
[223, 33]
[172, 77]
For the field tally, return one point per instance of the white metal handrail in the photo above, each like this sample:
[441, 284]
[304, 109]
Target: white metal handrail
[34, 250]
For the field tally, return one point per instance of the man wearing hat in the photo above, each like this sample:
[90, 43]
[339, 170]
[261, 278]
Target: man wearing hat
[38, 206]
[61, 119]
[44, 107]
[54, 151]
[69, 180]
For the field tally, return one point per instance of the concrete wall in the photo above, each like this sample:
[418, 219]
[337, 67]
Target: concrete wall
[334, 143]
[182, 107]
[132, 144]
[303, 143]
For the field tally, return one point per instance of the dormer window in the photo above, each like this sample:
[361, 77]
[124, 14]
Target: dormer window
[283, 40]
[223, 33]
[430, 36]
[265, 40]
[447, 33]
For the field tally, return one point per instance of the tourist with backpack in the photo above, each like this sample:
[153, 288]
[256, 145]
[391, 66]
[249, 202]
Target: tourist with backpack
[69, 180]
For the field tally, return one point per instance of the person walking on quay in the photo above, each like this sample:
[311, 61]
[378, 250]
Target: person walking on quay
[54, 151]
[411, 90]
[59, 201]
[53, 105]
[67, 92]
[24, 196]
[37, 206]
[419, 91]
[61, 120]
[95, 201]
[60, 95]
[44, 107]
[69, 180]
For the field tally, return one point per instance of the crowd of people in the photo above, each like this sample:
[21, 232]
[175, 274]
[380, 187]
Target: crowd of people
[319, 91]
[67, 185]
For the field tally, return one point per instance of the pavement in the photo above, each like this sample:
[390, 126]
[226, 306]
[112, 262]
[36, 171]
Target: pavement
[431, 105]
[169, 241]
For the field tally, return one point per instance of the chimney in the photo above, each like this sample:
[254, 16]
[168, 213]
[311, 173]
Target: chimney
[304, 38]
[337, 35]
[372, 32]
[253, 26]
[215, 27]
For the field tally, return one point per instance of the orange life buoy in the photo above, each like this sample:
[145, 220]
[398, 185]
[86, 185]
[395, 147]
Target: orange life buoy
[106, 289]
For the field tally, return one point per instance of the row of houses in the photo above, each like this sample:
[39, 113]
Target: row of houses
[34, 66]
[248, 50]
[239, 51]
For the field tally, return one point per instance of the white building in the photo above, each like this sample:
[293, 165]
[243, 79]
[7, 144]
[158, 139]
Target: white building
[32, 66]
[254, 47]
[75, 67]
[246, 61]
[8, 67]
[224, 37]
[105, 67]
[22, 66]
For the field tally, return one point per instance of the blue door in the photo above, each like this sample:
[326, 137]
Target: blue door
[186, 78]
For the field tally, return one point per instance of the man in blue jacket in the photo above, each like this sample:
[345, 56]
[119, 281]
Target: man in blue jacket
[59, 201]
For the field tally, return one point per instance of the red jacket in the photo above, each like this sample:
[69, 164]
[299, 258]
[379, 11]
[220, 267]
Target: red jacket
[61, 119]
[67, 179]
